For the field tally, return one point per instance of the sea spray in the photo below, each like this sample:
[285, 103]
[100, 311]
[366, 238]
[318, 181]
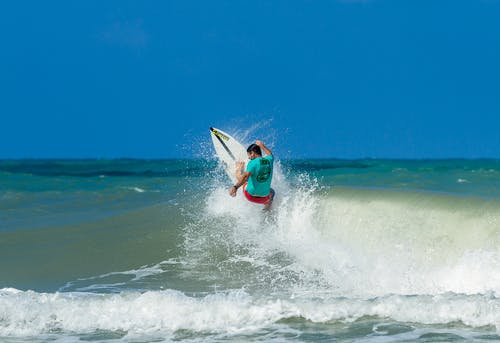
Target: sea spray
[363, 243]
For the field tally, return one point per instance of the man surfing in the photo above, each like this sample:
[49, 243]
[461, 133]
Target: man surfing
[256, 179]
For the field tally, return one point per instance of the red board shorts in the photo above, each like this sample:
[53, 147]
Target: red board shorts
[258, 200]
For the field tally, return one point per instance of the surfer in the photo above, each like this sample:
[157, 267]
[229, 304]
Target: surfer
[256, 178]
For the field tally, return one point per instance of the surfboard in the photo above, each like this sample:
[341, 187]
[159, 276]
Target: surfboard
[229, 151]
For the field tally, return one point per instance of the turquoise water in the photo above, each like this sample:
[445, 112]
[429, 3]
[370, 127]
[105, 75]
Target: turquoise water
[156, 250]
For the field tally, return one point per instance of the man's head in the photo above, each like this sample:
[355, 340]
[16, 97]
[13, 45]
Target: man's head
[254, 151]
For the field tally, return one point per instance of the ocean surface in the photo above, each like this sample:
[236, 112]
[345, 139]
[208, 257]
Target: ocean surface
[157, 251]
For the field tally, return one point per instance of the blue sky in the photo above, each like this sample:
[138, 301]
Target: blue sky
[344, 79]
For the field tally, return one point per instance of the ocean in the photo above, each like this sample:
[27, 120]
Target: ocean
[136, 251]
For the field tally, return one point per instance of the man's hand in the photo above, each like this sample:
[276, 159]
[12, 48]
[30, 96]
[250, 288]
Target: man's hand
[263, 147]
[232, 191]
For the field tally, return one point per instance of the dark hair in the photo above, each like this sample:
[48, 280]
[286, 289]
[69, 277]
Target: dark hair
[255, 148]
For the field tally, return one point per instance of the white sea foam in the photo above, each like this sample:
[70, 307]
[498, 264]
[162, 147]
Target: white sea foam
[95, 283]
[141, 190]
[136, 189]
[28, 313]
[398, 247]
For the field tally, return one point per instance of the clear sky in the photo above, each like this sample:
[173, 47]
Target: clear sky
[337, 78]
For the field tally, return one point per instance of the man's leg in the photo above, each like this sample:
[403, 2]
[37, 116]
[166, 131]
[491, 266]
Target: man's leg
[268, 204]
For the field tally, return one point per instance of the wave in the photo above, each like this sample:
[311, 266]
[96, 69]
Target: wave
[412, 243]
[354, 242]
[28, 313]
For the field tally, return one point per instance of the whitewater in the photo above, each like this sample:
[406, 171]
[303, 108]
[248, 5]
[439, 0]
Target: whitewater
[156, 250]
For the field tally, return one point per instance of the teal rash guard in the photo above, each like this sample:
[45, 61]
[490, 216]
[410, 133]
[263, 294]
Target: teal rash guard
[261, 170]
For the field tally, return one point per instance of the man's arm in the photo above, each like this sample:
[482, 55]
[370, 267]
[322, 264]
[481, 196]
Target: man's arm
[241, 181]
[263, 147]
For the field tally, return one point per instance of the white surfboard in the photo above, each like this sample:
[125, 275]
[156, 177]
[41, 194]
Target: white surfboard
[229, 151]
